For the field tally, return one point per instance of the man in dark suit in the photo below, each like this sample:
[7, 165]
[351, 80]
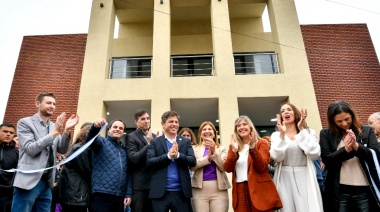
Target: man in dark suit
[137, 147]
[170, 157]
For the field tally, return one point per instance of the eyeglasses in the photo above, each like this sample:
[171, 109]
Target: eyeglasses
[185, 135]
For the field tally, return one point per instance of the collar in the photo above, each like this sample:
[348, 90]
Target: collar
[141, 131]
[42, 121]
[168, 139]
[113, 139]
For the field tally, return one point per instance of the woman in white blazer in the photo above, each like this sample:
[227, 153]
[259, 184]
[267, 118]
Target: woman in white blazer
[294, 147]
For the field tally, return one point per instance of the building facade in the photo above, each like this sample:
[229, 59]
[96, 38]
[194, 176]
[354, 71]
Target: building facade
[206, 59]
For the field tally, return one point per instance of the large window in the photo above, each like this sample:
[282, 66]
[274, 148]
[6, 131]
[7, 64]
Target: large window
[256, 63]
[131, 68]
[187, 66]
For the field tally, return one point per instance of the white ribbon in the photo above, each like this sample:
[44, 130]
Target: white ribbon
[71, 157]
[377, 191]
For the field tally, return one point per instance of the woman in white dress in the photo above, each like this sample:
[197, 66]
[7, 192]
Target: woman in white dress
[294, 146]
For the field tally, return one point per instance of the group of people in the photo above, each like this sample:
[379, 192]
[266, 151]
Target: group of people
[178, 171]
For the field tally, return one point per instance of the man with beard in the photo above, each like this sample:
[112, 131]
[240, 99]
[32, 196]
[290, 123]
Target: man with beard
[8, 160]
[137, 147]
[170, 157]
[40, 139]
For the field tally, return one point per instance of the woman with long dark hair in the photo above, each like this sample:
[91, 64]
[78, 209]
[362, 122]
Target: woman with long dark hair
[347, 148]
[75, 181]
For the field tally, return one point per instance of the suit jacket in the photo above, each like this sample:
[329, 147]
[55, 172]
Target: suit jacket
[34, 151]
[262, 190]
[137, 149]
[157, 159]
[218, 157]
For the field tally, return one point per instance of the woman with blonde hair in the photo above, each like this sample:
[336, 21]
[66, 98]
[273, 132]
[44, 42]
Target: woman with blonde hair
[248, 157]
[294, 147]
[210, 183]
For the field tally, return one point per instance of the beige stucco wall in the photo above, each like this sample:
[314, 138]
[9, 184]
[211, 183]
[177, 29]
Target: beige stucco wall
[161, 39]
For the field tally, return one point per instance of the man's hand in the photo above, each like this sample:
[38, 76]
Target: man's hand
[73, 120]
[100, 122]
[173, 152]
[127, 201]
[149, 136]
[59, 125]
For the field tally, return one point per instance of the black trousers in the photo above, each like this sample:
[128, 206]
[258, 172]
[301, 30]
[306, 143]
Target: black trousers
[175, 201]
[141, 201]
[73, 208]
[107, 203]
[354, 198]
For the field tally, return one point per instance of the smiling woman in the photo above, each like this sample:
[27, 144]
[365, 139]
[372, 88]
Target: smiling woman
[209, 181]
[346, 152]
[248, 158]
[293, 147]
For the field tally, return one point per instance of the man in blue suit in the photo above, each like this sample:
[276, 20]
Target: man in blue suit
[170, 157]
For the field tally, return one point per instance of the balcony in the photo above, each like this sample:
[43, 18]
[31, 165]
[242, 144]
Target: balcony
[256, 63]
[122, 68]
[190, 66]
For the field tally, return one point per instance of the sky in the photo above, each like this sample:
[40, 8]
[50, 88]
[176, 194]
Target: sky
[20, 18]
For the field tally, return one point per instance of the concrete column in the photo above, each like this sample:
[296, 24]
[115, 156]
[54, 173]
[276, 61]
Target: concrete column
[159, 107]
[229, 106]
[161, 40]
[293, 59]
[96, 62]
[221, 38]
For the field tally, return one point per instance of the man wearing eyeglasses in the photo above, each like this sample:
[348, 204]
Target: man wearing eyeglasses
[374, 122]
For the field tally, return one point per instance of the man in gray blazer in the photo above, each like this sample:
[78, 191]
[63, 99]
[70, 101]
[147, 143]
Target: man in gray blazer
[40, 139]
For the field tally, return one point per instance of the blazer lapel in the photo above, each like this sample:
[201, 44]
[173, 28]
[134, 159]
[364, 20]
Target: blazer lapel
[200, 152]
[163, 143]
[141, 137]
[38, 126]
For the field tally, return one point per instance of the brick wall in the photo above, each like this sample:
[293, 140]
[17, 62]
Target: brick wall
[50, 63]
[343, 65]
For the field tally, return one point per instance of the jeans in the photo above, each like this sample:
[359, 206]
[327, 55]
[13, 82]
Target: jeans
[354, 198]
[37, 199]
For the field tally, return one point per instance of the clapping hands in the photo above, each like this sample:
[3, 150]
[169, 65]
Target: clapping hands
[71, 123]
[349, 140]
[173, 152]
[302, 123]
[234, 144]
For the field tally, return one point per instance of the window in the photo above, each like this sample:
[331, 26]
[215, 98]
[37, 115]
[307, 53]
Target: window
[131, 68]
[257, 63]
[187, 66]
